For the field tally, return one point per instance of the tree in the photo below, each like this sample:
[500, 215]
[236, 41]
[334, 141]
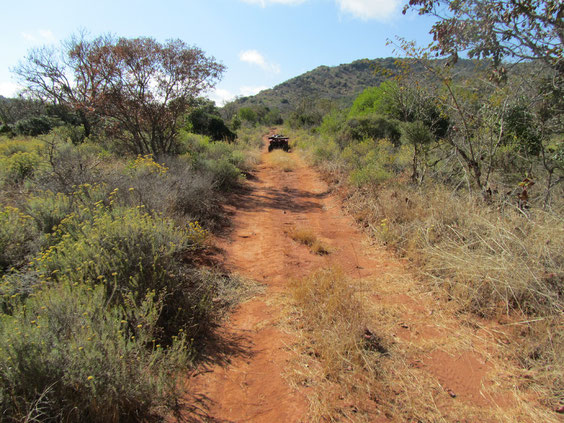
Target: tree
[372, 100]
[502, 30]
[308, 113]
[498, 29]
[14, 109]
[405, 100]
[206, 120]
[137, 88]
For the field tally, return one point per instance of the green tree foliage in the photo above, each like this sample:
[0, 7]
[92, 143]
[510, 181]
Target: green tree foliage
[372, 126]
[206, 120]
[374, 100]
[14, 109]
[253, 115]
[521, 131]
[528, 30]
[247, 114]
[272, 117]
[308, 113]
[333, 122]
[34, 126]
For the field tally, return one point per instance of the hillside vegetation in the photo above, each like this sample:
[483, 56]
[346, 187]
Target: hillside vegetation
[338, 83]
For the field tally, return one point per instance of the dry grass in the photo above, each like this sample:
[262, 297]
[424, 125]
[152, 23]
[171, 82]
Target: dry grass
[307, 237]
[282, 160]
[357, 368]
[338, 354]
[490, 262]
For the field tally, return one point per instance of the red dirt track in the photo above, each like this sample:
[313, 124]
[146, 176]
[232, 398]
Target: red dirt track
[248, 383]
[251, 387]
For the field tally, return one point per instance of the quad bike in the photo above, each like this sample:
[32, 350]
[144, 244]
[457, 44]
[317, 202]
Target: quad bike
[278, 141]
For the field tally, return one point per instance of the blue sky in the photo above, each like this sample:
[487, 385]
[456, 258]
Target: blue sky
[261, 42]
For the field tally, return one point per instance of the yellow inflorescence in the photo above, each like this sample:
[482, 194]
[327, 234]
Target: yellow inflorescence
[147, 162]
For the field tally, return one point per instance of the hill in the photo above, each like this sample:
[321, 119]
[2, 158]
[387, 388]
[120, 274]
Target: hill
[340, 84]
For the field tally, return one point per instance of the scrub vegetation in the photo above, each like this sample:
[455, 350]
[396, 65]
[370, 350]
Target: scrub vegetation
[102, 303]
[111, 183]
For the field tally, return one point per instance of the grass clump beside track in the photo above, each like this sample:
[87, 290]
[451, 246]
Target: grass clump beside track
[281, 160]
[494, 259]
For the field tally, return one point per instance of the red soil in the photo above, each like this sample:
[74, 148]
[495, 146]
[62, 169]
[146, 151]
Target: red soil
[248, 385]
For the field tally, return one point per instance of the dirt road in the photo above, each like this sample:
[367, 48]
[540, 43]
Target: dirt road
[451, 365]
[252, 387]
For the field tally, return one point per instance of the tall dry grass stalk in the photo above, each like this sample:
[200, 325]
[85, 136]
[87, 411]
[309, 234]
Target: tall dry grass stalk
[308, 237]
[356, 375]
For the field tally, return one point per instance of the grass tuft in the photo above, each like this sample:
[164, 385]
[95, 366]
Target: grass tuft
[338, 353]
[282, 160]
[309, 238]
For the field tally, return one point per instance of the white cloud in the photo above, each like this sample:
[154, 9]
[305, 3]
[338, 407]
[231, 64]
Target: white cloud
[248, 90]
[264, 3]
[9, 89]
[255, 58]
[360, 9]
[369, 9]
[220, 96]
[39, 36]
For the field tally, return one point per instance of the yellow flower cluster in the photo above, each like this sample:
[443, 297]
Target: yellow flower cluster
[147, 162]
[12, 217]
[196, 233]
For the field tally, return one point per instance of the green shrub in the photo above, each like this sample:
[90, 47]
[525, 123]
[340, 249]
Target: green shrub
[250, 138]
[11, 146]
[20, 166]
[35, 125]
[6, 130]
[332, 122]
[205, 123]
[17, 237]
[225, 173]
[70, 133]
[372, 126]
[325, 152]
[49, 209]
[69, 356]
[145, 165]
[372, 174]
[131, 253]
[247, 114]
[374, 100]
[69, 166]
[220, 159]
[242, 155]
[175, 189]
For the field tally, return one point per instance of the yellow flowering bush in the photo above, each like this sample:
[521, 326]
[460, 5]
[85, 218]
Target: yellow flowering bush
[49, 209]
[146, 164]
[61, 355]
[19, 166]
[131, 253]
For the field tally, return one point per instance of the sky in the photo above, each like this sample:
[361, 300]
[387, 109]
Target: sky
[262, 43]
